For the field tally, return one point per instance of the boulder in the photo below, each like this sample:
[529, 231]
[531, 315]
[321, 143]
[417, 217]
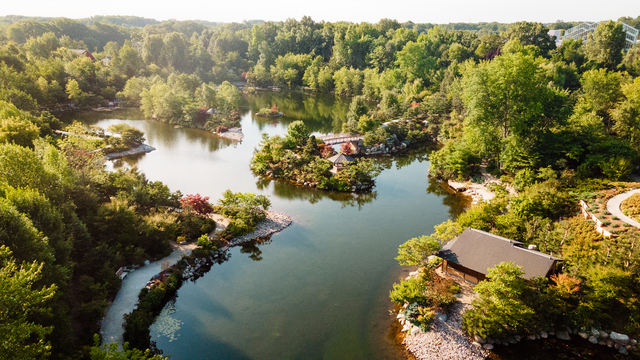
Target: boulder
[633, 342]
[400, 316]
[487, 346]
[595, 332]
[619, 338]
[406, 328]
[490, 341]
[610, 343]
[583, 335]
[602, 342]
[517, 337]
[479, 339]
[622, 350]
[531, 337]
[543, 334]
[563, 335]
[537, 336]
[593, 339]
[604, 335]
[511, 340]
[147, 262]
[476, 344]
[441, 317]
[415, 331]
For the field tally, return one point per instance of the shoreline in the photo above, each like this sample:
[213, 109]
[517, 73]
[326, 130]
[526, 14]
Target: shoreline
[192, 267]
[234, 134]
[141, 149]
[111, 327]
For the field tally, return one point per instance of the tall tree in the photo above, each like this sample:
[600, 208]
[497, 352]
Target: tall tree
[605, 44]
[20, 302]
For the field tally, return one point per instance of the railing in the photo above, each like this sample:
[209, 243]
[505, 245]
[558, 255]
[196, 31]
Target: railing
[334, 139]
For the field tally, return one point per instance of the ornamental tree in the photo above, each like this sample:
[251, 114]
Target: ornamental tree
[198, 203]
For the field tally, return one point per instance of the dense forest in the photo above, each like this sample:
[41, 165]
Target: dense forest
[548, 120]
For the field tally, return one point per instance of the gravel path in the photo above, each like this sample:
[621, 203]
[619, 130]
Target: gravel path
[111, 328]
[445, 340]
[613, 206]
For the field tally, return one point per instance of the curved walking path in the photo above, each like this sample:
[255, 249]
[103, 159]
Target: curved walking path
[613, 206]
[111, 329]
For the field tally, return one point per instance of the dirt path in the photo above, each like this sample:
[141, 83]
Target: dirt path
[613, 206]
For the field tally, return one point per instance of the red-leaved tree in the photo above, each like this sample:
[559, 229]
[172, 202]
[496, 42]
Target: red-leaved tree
[198, 203]
[346, 149]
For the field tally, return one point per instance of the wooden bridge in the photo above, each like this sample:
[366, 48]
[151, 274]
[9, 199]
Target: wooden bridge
[333, 139]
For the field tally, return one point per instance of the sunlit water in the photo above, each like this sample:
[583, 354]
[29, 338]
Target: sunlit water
[318, 289]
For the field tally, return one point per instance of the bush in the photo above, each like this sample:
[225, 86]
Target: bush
[615, 218]
[606, 222]
[410, 291]
[615, 225]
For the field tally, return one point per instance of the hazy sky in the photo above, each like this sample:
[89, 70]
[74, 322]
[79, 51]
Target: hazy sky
[433, 11]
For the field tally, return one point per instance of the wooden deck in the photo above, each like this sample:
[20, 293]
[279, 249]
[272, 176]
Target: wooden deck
[333, 139]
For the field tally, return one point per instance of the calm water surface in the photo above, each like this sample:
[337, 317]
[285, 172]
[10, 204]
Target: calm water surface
[319, 289]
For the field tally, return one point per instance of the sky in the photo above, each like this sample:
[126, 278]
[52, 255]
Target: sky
[424, 11]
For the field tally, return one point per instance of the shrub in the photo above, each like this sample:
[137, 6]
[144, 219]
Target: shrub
[627, 225]
[606, 212]
[410, 290]
[615, 218]
[615, 225]
[601, 217]
[606, 222]
[204, 243]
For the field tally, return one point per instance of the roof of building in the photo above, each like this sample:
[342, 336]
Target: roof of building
[341, 158]
[479, 250]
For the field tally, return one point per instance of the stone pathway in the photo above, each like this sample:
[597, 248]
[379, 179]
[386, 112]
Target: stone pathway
[613, 206]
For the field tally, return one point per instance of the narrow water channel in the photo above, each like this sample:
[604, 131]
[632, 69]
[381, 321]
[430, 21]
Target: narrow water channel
[319, 289]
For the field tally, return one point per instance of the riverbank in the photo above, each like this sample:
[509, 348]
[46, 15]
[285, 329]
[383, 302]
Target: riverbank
[111, 329]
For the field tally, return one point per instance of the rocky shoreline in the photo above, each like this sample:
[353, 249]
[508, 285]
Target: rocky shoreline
[144, 148]
[275, 222]
[445, 340]
[234, 134]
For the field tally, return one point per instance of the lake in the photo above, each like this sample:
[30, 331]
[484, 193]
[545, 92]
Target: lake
[318, 289]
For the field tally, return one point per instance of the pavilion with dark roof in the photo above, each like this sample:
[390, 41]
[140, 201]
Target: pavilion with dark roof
[339, 161]
[475, 251]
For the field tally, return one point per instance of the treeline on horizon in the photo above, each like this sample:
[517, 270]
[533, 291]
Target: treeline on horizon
[573, 117]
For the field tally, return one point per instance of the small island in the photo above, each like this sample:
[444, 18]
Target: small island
[305, 159]
[272, 112]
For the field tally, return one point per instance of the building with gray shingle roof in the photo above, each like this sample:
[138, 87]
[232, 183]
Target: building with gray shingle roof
[339, 161]
[475, 251]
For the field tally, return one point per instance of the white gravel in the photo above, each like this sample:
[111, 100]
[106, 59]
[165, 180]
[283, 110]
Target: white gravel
[275, 222]
[445, 340]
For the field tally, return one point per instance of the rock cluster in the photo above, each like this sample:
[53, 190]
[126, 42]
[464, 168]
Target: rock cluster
[143, 148]
[445, 339]
[274, 223]
[620, 342]
[232, 134]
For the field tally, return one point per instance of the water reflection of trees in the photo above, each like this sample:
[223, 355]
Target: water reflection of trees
[403, 159]
[321, 112]
[456, 203]
[290, 191]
